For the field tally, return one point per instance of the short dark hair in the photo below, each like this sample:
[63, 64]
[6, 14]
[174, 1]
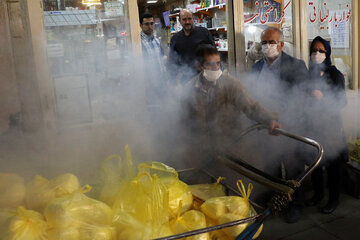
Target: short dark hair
[145, 15]
[204, 50]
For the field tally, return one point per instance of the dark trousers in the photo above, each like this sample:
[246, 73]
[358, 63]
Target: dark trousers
[334, 170]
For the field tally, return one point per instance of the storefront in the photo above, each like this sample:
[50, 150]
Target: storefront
[73, 85]
[96, 43]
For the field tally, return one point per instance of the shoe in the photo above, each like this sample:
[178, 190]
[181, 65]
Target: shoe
[293, 214]
[330, 207]
[315, 200]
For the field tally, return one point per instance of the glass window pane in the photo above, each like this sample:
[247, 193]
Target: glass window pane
[88, 47]
[260, 14]
[331, 20]
[210, 14]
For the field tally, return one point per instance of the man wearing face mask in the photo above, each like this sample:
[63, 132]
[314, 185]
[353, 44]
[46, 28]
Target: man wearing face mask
[279, 85]
[290, 71]
[183, 45]
[213, 101]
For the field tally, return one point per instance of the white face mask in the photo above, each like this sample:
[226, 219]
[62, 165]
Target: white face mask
[317, 57]
[270, 50]
[211, 75]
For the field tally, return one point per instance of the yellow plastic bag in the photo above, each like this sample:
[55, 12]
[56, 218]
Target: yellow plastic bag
[41, 191]
[190, 220]
[68, 233]
[146, 232]
[77, 208]
[114, 171]
[218, 234]
[231, 208]
[12, 190]
[22, 224]
[178, 190]
[207, 191]
[83, 231]
[234, 231]
[214, 208]
[166, 174]
[141, 207]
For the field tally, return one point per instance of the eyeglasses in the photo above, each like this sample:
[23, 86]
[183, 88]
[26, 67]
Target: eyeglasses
[269, 42]
[187, 19]
[319, 50]
[212, 64]
[148, 23]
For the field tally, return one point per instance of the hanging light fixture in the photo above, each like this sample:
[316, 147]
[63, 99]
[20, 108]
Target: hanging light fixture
[91, 2]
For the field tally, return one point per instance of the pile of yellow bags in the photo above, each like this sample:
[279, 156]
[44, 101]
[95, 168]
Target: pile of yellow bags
[146, 203]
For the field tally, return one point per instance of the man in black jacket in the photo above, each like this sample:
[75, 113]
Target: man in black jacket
[279, 82]
[183, 45]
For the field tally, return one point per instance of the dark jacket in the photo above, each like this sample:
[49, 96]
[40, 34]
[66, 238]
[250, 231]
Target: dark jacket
[292, 71]
[286, 95]
[215, 112]
[324, 115]
[183, 49]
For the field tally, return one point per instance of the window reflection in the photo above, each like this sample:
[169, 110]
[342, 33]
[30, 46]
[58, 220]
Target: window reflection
[88, 46]
[258, 15]
[332, 21]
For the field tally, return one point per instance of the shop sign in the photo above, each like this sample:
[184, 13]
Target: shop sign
[267, 12]
[114, 9]
[322, 14]
[70, 17]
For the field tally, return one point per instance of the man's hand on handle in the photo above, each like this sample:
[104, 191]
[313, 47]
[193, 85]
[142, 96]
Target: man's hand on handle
[272, 125]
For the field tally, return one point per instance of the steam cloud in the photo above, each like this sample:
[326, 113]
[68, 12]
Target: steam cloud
[153, 132]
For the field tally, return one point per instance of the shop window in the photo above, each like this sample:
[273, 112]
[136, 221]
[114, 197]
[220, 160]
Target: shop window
[332, 21]
[260, 14]
[210, 14]
[88, 46]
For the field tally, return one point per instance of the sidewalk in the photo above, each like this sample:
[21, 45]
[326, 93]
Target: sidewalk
[343, 223]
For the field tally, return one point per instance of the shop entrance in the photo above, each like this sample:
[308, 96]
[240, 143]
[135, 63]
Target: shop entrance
[210, 14]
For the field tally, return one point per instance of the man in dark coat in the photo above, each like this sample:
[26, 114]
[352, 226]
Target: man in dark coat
[183, 45]
[279, 80]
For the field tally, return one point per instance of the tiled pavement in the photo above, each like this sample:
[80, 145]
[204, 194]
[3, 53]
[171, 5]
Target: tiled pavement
[343, 223]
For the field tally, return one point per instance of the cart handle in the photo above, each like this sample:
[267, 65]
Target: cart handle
[306, 140]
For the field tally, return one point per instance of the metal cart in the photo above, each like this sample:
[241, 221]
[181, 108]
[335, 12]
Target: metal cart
[283, 189]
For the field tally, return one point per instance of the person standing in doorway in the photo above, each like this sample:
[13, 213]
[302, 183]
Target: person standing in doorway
[183, 45]
[154, 66]
[279, 84]
[327, 99]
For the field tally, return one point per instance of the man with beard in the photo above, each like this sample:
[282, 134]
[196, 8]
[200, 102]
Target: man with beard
[183, 45]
